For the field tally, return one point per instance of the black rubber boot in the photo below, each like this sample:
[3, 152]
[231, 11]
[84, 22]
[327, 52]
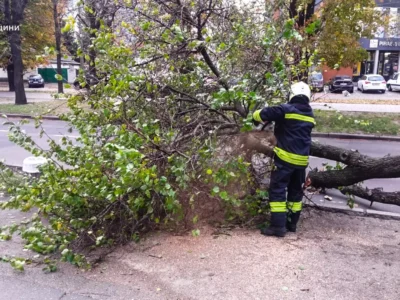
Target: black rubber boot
[274, 231]
[292, 220]
[277, 227]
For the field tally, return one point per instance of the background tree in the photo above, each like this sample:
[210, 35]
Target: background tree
[334, 30]
[14, 15]
[70, 42]
[342, 24]
[94, 15]
[36, 33]
[59, 9]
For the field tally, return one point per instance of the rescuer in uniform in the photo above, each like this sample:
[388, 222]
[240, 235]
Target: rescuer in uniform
[294, 122]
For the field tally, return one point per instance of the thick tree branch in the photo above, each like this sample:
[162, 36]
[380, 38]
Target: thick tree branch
[374, 195]
[386, 167]
[348, 157]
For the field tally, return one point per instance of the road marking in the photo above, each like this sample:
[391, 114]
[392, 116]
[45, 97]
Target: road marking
[55, 135]
[68, 136]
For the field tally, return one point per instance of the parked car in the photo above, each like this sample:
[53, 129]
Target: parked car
[341, 83]
[394, 83]
[36, 81]
[372, 82]
[317, 81]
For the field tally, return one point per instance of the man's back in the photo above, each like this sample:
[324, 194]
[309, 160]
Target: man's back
[293, 132]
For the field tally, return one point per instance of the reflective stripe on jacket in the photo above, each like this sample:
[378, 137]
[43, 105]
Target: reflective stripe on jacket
[293, 125]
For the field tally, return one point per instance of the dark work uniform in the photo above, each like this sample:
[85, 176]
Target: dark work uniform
[293, 125]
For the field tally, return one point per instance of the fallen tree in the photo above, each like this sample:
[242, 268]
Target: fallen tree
[357, 168]
[176, 78]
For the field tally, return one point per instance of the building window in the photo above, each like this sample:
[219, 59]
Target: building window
[388, 63]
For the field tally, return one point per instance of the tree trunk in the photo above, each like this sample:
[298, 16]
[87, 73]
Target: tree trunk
[302, 16]
[57, 31]
[358, 167]
[94, 25]
[80, 30]
[15, 42]
[10, 76]
[374, 195]
[14, 17]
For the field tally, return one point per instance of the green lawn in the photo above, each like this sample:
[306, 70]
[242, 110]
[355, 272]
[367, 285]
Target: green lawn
[327, 121]
[50, 108]
[367, 123]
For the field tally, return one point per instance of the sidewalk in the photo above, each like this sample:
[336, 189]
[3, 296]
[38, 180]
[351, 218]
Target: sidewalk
[357, 107]
[49, 88]
[333, 256]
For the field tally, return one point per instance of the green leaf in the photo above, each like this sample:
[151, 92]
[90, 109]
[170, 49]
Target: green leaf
[18, 264]
[58, 77]
[146, 26]
[196, 232]
[216, 190]
[224, 195]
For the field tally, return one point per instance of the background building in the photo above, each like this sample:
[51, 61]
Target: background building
[384, 49]
[70, 70]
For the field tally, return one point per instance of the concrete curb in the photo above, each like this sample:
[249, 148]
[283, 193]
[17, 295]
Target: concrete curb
[358, 212]
[22, 116]
[356, 136]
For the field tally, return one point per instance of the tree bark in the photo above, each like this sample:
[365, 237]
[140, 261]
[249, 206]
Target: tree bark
[94, 25]
[348, 157]
[14, 17]
[10, 76]
[57, 32]
[15, 41]
[358, 168]
[374, 195]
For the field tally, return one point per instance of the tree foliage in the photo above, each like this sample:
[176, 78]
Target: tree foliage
[333, 28]
[37, 32]
[173, 77]
[342, 23]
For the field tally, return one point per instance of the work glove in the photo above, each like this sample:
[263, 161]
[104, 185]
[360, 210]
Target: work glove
[257, 118]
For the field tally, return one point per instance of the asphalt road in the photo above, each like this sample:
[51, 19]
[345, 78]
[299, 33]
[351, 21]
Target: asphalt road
[375, 108]
[372, 95]
[14, 155]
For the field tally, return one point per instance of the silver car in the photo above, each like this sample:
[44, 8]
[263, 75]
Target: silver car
[317, 81]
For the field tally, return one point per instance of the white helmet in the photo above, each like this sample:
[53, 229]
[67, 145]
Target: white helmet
[300, 88]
